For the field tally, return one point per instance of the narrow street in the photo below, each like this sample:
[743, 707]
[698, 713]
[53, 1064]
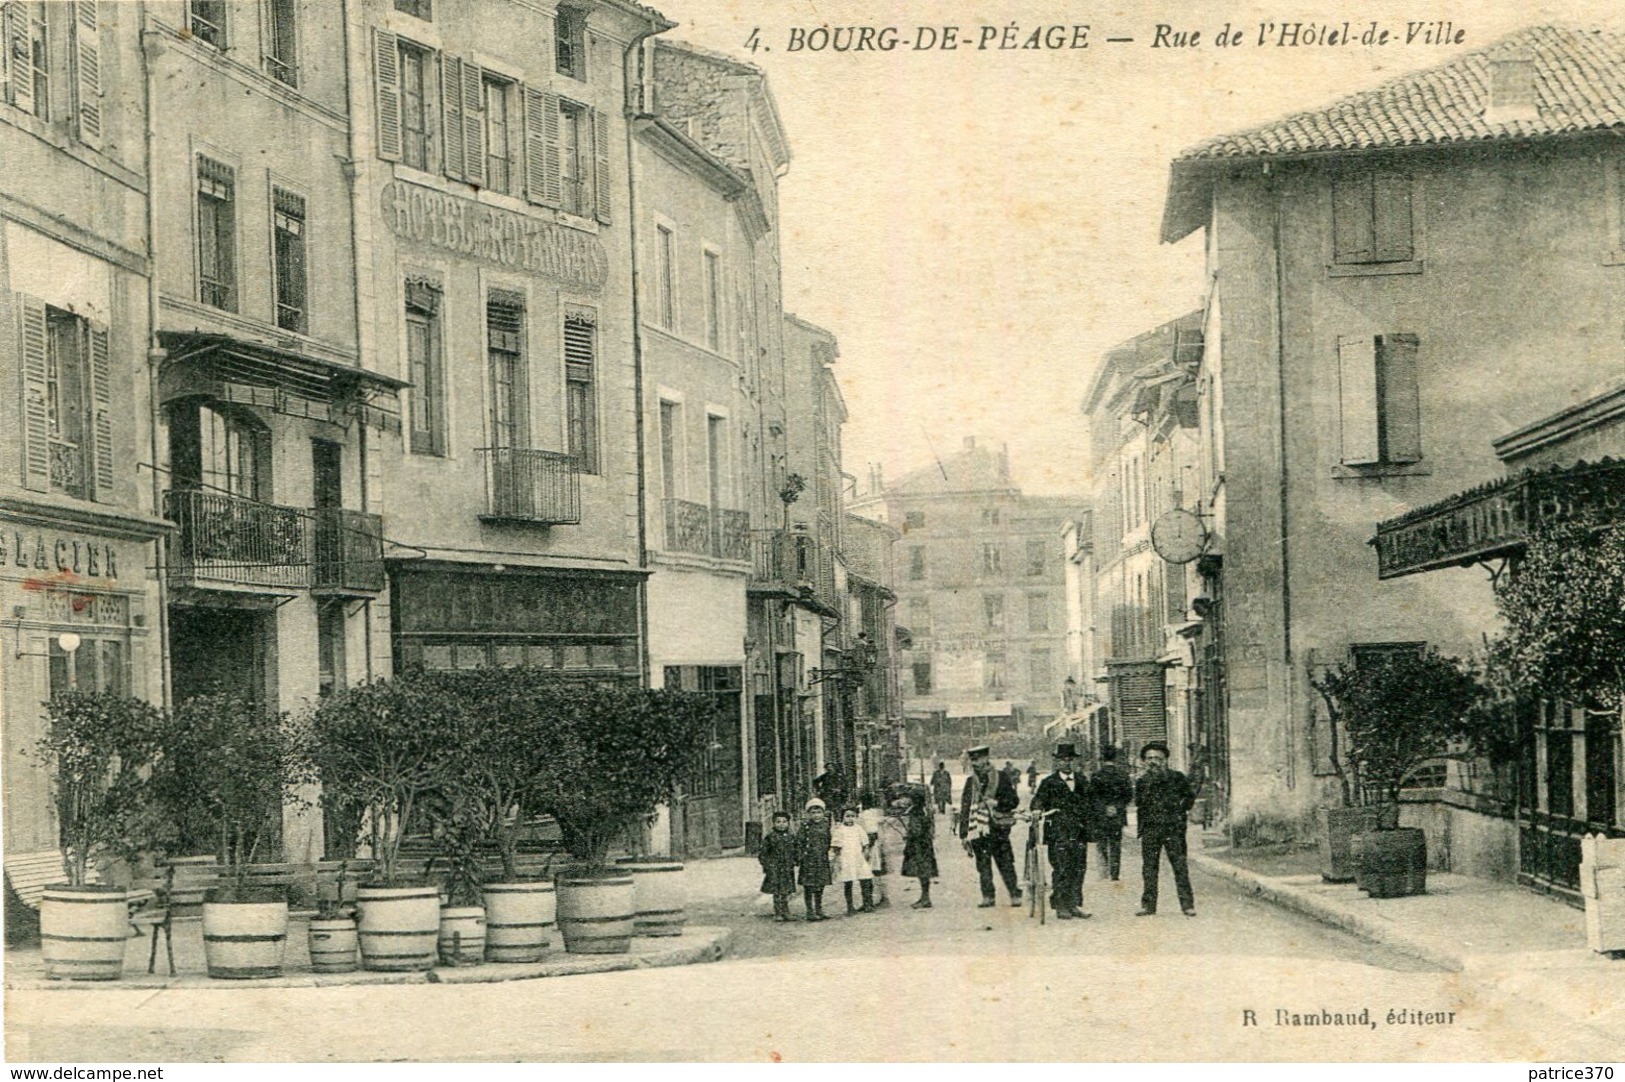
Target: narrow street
[899, 985]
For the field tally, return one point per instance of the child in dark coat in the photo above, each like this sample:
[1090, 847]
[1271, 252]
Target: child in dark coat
[812, 854]
[778, 858]
[919, 850]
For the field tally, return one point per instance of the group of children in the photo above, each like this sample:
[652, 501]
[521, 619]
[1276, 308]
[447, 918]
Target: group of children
[849, 852]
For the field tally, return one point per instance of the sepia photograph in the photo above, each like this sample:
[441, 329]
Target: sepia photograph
[812, 532]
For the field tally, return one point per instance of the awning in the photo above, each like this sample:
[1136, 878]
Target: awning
[979, 710]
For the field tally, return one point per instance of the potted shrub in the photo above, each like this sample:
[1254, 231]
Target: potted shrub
[621, 753]
[376, 749]
[228, 766]
[98, 752]
[332, 932]
[1399, 710]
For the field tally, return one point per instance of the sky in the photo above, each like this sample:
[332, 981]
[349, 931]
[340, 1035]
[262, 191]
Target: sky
[978, 226]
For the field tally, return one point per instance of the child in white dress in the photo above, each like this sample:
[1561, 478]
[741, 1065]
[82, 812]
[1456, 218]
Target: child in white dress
[851, 844]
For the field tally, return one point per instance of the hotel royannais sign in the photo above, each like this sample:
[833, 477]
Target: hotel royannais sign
[502, 237]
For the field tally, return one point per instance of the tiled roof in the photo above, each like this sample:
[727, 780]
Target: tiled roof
[1579, 80]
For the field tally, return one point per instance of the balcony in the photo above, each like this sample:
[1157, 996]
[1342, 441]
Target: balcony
[793, 564]
[232, 543]
[705, 531]
[529, 487]
[349, 553]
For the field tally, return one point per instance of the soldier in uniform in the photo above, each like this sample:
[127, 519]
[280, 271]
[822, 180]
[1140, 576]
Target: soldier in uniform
[1065, 793]
[1163, 798]
[986, 814]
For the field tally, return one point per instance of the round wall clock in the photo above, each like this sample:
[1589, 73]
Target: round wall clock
[1179, 536]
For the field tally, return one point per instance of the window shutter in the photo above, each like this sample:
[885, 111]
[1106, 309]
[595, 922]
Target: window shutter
[1357, 379]
[1401, 407]
[473, 123]
[600, 168]
[451, 108]
[32, 345]
[101, 374]
[87, 77]
[542, 181]
[386, 52]
[20, 52]
[1391, 217]
[1351, 218]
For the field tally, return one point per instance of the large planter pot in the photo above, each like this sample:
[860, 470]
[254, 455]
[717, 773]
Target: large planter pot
[595, 913]
[519, 920]
[83, 931]
[658, 895]
[397, 927]
[1392, 863]
[333, 945]
[462, 935]
[244, 938]
[1338, 826]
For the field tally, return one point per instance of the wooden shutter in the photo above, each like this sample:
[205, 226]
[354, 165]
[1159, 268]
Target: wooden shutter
[1357, 397]
[386, 53]
[101, 403]
[451, 109]
[1391, 217]
[600, 170]
[473, 123]
[1351, 218]
[20, 53]
[32, 340]
[87, 77]
[543, 184]
[1401, 407]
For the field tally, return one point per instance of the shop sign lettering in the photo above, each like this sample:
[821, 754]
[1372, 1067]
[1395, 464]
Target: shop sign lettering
[59, 555]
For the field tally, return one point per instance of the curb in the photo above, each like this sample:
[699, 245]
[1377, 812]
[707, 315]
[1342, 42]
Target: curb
[696, 945]
[1316, 908]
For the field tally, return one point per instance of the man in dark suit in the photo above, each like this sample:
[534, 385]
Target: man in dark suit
[1163, 798]
[1065, 794]
[986, 814]
[1112, 791]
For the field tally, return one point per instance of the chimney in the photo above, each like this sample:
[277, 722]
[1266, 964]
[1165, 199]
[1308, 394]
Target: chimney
[876, 484]
[1512, 88]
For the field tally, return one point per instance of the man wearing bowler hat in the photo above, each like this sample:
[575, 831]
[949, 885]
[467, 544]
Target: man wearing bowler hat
[987, 811]
[1065, 794]
[1164, 799]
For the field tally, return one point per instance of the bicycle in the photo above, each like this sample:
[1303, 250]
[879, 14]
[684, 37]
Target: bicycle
[1037, 874]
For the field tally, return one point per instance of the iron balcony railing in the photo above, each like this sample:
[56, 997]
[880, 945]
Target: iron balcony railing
[705, 531]
[229, 541]
[523, 485]
[794, 561]
[349, 552]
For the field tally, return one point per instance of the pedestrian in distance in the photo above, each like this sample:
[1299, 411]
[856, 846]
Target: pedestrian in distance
[852, 860]
[778, 857]
[1112, 792]
[1065, 794]
[1013, 772]
[1163, 798]
[987, 811]
[942, 788]
[919, 848]
[813, 858]
[1032, 776]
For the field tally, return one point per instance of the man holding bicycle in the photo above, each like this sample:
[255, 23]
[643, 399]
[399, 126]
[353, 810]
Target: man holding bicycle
[1065, 795]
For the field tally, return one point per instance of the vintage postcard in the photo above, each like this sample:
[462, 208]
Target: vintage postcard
[812, 531]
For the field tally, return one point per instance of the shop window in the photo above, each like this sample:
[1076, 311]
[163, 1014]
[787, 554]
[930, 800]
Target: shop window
[98, 665]
[1379, 400]
[581, 399]
[291, 263]
[217, 234]
[425, 369]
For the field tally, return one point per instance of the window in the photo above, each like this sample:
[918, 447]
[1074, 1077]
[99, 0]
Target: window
[914, 520]
[1378, 395]
[288, 252]
[217, 234]
[281, 41]
[1037, 612]
[230, 453]
[665, 276]
[671, 442]
[993, 672]
[1040, 669]
[713, 300]
[572, 165]
[993, 611]
[581, 416]
[1371, 217]
[414, 106]
[27, 58]
[206, 19]
[570, 42]
[418, 9]
[992, 558]
[922, 678]
[67, 433]
[67, 403]
[1037, 550]
[330, 675]
[1133, 493]
[505, 336]
[919, 615]
[425, 369]
[916, 563]
[990, 516]
[98, 665]
[499, 143]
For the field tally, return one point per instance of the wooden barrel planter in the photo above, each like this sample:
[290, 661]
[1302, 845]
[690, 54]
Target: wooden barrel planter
[244, 938]
[1338, 826]
[595, 913]
[1392, 863]
[658, 895]
[193, 878]
[83, 931]
[397, 927]
[519, 919]
[462, 935]
[332, 945]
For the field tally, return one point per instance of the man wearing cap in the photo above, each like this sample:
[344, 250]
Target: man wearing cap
[1163, 798]
[1112, 792]
[1065, 794]
[986, 814]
